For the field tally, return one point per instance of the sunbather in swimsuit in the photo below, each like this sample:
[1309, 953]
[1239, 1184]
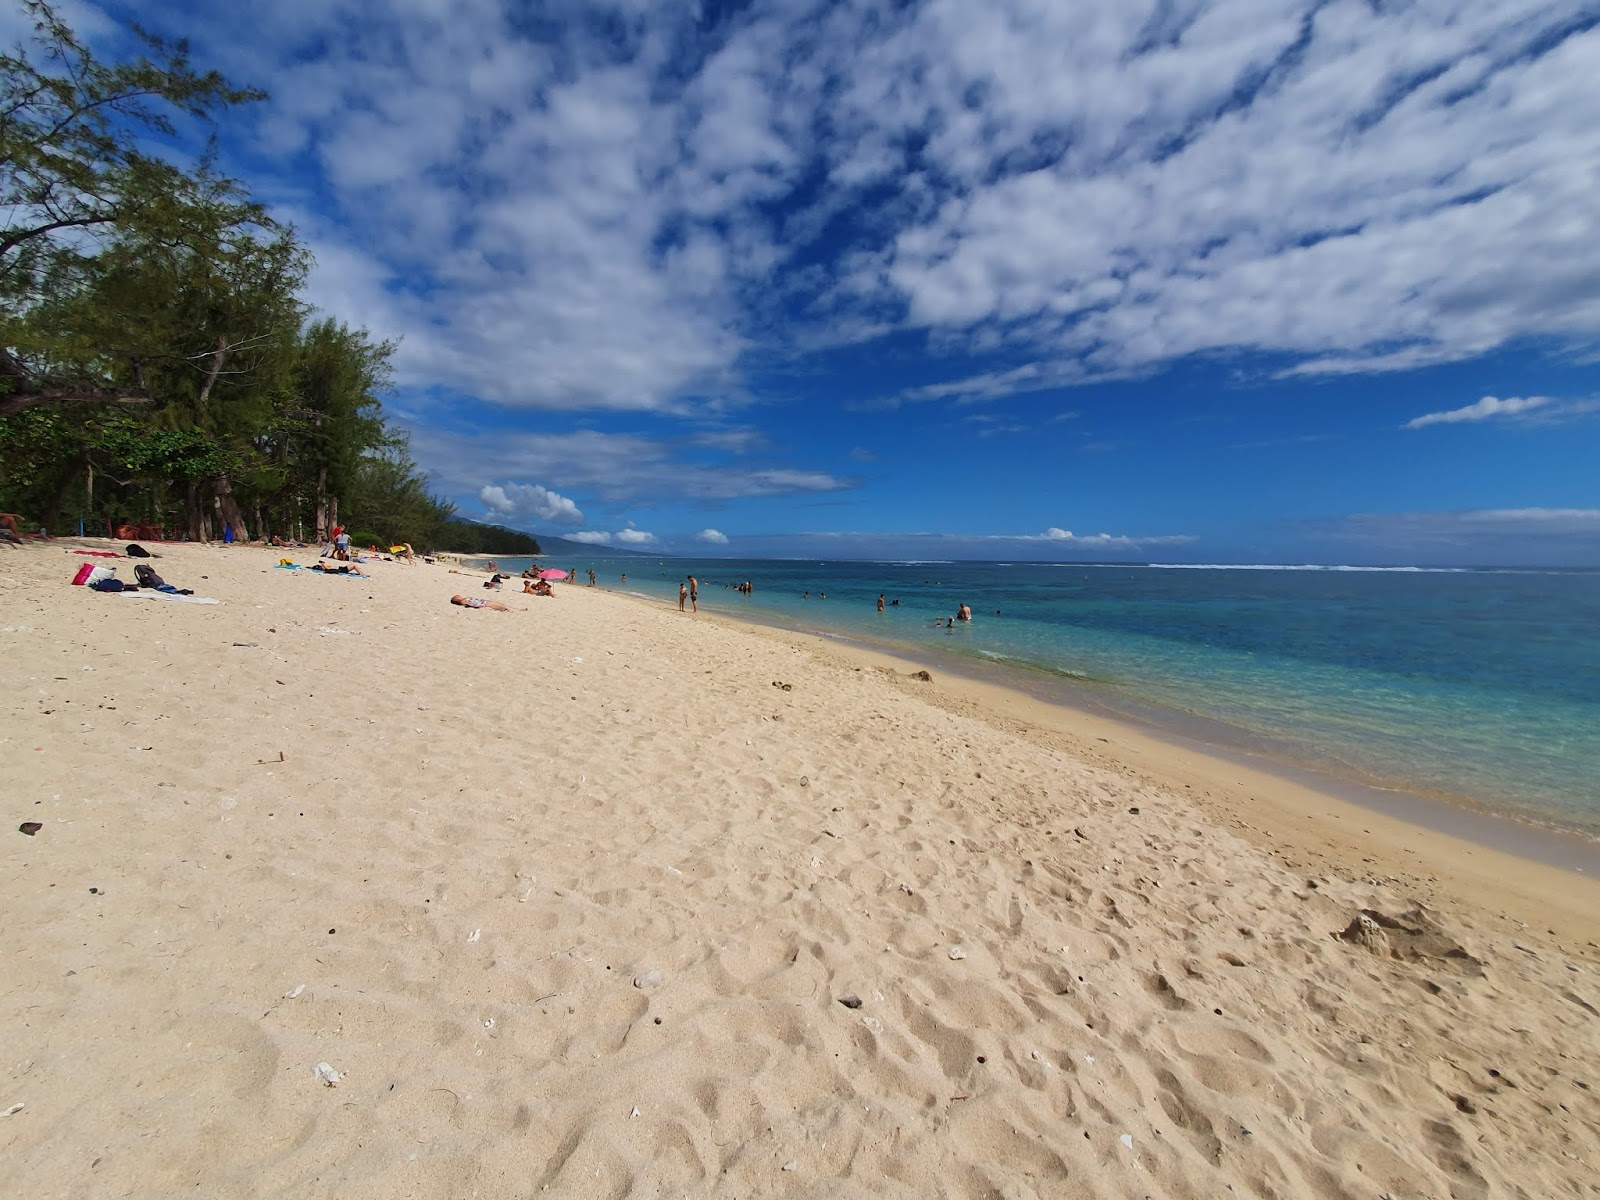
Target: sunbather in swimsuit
[479, 602]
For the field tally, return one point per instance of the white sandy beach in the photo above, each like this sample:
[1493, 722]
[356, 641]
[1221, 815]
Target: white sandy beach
[570, 900]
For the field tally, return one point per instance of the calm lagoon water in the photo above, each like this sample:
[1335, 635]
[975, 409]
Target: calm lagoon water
[1482, 685]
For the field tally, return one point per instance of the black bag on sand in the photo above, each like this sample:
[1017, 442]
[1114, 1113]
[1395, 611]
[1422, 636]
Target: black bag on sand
[147, 577]
[137, 551]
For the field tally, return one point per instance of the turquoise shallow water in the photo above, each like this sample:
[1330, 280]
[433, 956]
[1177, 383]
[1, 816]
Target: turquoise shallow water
[1478, 684]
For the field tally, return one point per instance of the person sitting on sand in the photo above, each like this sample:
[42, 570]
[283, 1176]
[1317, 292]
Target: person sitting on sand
[479, 602]
[9, 529]
[537, 587]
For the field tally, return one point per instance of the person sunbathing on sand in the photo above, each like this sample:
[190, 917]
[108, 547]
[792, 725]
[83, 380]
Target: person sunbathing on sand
[8, 527]
[537, 587]
[479, 602]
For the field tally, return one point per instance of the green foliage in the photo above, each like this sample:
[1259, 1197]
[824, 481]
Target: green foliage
[69, 138]
[472, 537]
[128, 281]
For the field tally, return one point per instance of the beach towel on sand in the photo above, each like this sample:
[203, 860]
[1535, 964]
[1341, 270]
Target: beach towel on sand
[181, 599]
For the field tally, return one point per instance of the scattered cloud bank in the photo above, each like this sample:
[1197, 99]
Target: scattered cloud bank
[922, 545]
[1518, 536]
[712, 537]
[614, 207]
[1540, 409]
[620, 469]
[1485, 409]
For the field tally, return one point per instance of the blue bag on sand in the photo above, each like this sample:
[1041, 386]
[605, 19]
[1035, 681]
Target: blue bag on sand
[107, 585]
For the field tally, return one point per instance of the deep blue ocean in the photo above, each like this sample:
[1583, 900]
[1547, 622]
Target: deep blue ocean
[1477, 685]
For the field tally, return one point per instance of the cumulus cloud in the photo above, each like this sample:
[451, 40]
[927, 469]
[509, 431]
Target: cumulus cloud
[528, 500]
[618, 212]
[1485, 409]
[1105, 540]
[712, 536]
[623, 537]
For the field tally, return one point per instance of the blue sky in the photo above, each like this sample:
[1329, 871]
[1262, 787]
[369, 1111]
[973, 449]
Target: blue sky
[1242, 280]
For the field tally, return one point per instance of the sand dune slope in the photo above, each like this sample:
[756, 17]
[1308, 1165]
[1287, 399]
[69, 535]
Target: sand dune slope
[581, 900]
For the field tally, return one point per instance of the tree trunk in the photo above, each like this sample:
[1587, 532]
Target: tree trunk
[218, 357]
[323, 524]
[58, 502]
[195, 515]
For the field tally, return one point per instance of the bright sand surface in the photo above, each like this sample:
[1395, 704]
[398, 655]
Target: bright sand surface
[572, 900]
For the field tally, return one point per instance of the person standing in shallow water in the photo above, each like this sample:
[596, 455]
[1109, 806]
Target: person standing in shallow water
[683, 594]
[694, 593]
[880, 601]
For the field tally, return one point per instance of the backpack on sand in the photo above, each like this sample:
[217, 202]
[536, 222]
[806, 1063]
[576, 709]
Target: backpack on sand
[147, 577]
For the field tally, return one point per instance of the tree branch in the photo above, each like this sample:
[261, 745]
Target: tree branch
[219, 354]
[13, 240]
[88, 394]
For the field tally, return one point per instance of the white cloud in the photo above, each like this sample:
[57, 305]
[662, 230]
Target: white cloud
[1549, 518]
[734, 441]
[1319, 215]
[1485, 409]
[528, 500]
[625, 537]
[1051, 544]
[619, 213]
[990, 385]
[712, 536]
[618, 469]
[1106, 540]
